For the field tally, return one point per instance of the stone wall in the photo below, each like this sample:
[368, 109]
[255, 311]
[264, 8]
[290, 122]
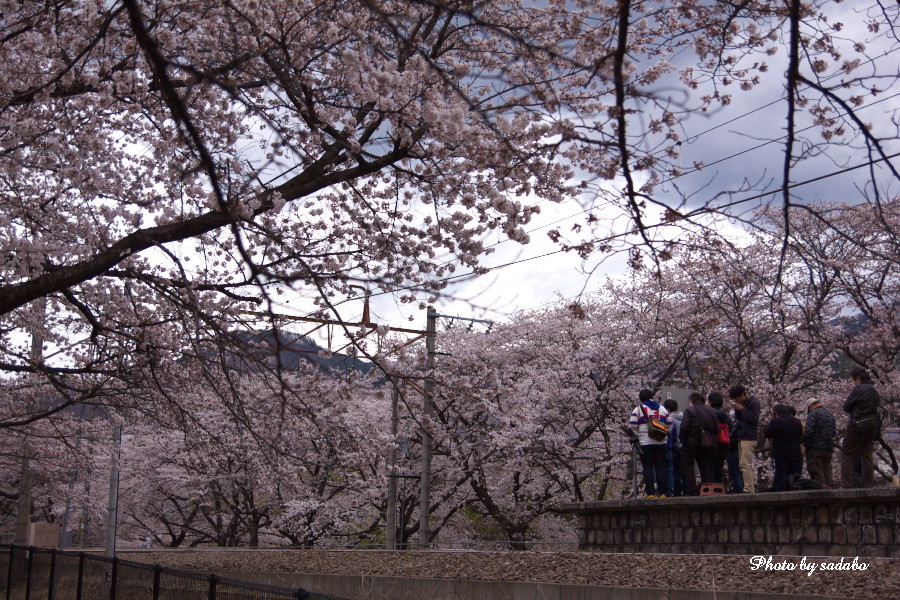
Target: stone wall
[373, 587]
[811, 523]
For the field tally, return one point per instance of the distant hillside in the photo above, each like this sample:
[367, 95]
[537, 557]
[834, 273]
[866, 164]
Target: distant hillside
[293, 351]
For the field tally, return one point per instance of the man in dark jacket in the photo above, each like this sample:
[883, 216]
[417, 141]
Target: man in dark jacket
[746, 417]
[785, 431]
[698, 418]
[862, 406]
[818, 439]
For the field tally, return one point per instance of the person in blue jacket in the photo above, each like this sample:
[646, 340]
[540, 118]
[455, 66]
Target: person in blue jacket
[674, 470]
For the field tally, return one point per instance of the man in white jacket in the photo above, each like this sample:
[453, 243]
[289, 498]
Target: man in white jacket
[653, 452]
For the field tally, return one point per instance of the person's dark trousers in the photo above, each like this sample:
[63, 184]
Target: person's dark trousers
[818, 463]
[861, 445]
[674, 472]
[704, 458]
[719, 463]
[653, 460]
[670, 472]
[677, 473]
[734, 471]
[784, 468]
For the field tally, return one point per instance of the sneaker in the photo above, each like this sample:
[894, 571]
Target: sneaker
[663, 496]
[650, 496]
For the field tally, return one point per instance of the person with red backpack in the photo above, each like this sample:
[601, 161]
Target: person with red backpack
[716, 400]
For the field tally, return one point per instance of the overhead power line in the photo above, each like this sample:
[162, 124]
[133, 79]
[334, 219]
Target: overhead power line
[791, 186]
[690, 139]
[617, 236]
[697, 169]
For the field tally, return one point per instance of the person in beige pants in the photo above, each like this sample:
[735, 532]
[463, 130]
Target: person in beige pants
[746, 416]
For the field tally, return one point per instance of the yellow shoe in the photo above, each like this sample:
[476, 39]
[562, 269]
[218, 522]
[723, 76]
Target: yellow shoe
[650, 496]
[663, 496]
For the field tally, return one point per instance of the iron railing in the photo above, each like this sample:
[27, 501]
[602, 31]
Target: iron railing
[29, 573]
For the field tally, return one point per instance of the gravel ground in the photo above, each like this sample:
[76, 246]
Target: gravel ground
[880, 581]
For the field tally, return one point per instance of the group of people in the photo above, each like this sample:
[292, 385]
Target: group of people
[706, 439]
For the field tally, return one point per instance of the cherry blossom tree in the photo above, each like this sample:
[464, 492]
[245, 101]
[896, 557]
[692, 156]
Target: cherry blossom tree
[233, 472]
[853, 260]
[517, 409]
[753, 320]
[526, 416]
[190, 158]
[67, 456]
[167, 165]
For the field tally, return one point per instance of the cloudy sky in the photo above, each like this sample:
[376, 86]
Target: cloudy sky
[742, 148]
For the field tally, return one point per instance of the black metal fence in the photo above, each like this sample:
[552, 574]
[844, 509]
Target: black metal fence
[28, 573]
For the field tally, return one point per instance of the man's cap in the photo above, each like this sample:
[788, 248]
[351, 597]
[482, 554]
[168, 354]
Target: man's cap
[811, 402]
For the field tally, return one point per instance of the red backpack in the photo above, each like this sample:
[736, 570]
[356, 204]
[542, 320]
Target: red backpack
[724, 436]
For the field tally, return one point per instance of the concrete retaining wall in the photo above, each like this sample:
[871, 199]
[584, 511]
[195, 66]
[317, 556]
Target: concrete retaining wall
[367, 587]
[812, 523]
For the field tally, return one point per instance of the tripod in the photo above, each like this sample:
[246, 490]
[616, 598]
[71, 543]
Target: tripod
[636, 452]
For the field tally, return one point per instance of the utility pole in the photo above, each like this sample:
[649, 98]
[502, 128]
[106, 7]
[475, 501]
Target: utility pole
[64, 530]
[23, 506]
[390, 536]
[112, 511]
[64, 537]
[425, 500]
